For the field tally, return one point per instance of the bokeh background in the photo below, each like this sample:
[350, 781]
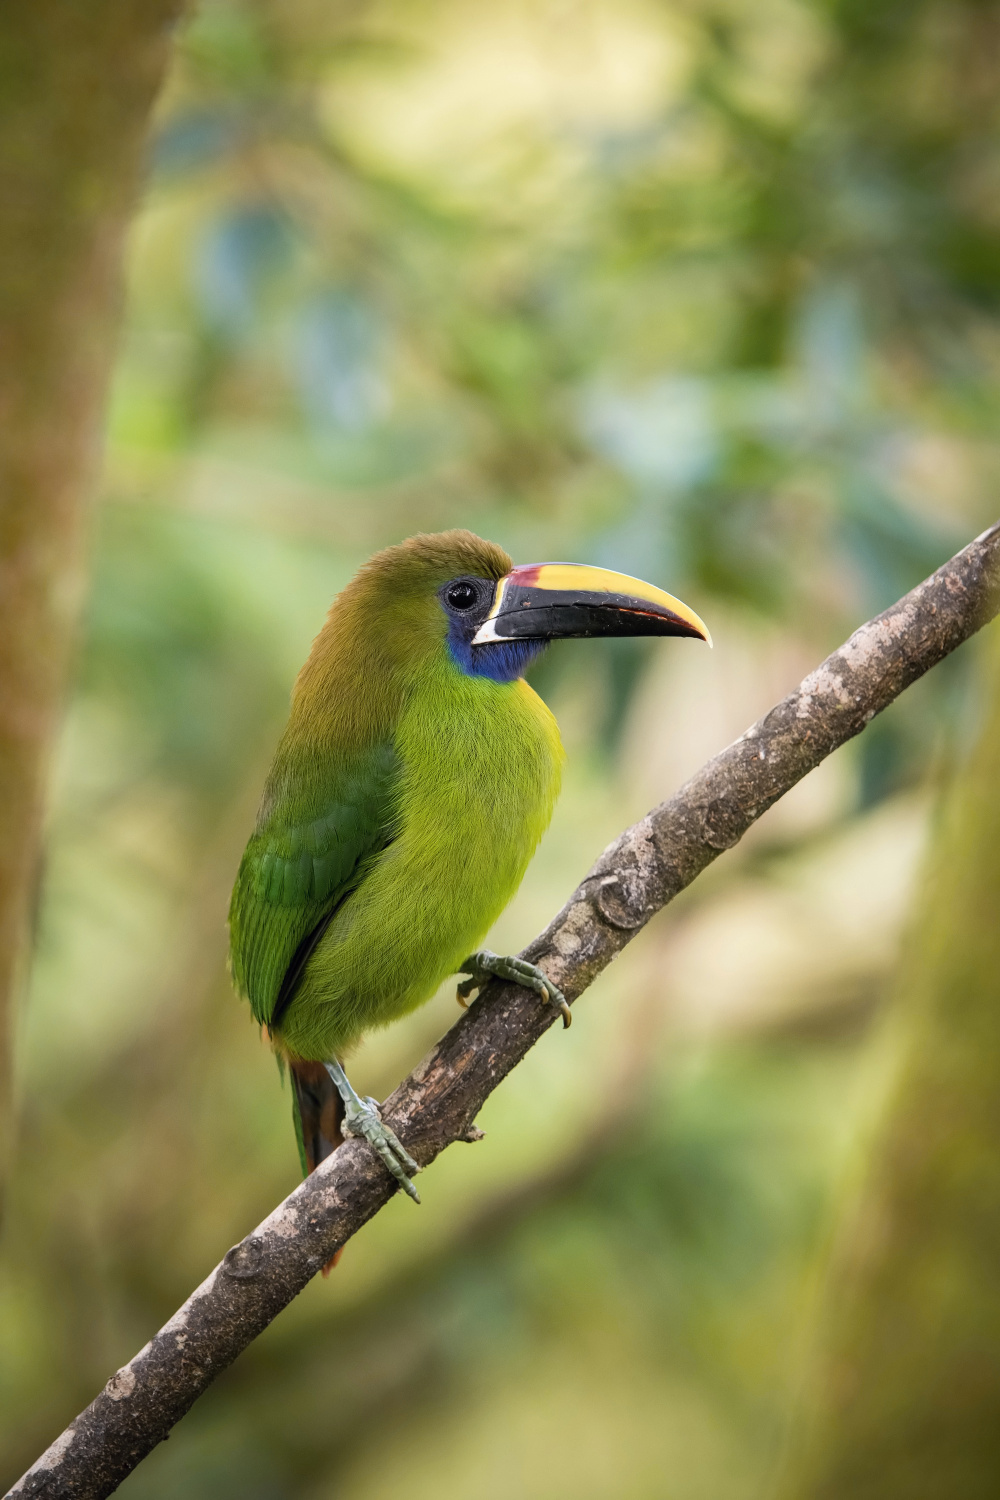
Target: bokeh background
[702, 290]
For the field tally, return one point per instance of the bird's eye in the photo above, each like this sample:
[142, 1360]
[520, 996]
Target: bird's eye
[461, 596]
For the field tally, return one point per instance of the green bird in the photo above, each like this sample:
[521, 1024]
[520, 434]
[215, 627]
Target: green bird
[411, 786]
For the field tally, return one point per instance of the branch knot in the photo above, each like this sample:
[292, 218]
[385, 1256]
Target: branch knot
[243, 1261]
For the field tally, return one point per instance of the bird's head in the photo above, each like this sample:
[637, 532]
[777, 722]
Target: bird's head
[495, 618]
[452, 597]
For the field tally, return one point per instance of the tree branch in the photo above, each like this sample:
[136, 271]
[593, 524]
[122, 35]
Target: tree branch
[437, 1105]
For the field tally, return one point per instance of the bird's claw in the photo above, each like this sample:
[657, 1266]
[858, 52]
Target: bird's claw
[363, 1121]
[484, 966]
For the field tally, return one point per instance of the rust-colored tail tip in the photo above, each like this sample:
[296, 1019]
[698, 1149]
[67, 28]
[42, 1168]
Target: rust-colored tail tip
[333, 1261]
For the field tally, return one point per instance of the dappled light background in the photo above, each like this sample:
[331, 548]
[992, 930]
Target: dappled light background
[701, 290]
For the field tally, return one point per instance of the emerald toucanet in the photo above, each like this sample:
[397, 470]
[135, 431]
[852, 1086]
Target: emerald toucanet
[409, 790]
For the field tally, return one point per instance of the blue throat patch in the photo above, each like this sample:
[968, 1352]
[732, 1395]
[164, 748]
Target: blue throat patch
[501, 661]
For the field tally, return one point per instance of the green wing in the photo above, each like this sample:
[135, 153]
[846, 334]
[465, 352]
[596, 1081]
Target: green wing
[301, 862]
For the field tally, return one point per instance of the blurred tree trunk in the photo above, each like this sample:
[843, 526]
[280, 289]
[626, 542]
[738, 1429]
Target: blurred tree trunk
[77, 83]
[907, 1396]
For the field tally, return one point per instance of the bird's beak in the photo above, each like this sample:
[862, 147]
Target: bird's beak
[546, 601]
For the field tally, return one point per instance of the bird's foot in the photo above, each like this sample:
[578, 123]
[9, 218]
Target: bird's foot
[484, 966]
[363, 1121]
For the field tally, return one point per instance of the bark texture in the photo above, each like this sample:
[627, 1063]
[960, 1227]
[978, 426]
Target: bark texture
[437, 1105]
[907, 1384]
[77, 84]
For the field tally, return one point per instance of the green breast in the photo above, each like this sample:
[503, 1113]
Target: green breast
[479, 770]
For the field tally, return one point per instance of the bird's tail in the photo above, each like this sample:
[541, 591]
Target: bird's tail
[318, 1112]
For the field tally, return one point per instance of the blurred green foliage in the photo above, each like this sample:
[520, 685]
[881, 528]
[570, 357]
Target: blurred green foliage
[904, 1395]
[701, 290]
